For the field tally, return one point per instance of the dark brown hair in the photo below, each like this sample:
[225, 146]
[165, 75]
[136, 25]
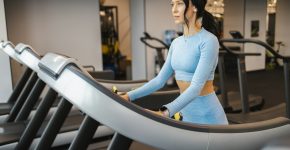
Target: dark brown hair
[208, 21]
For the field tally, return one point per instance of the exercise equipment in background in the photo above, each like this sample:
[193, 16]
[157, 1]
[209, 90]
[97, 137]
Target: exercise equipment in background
[273, 112]
[112, 55]
[162, 50]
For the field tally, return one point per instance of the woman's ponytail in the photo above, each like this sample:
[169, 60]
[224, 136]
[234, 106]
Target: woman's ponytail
[208, 22]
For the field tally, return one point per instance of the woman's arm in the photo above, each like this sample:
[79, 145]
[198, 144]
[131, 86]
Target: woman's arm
[156, 83]
[207, 63]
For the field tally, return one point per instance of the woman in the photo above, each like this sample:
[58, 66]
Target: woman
[193, 58]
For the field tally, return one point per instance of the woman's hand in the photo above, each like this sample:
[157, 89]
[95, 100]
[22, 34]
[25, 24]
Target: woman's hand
[121, 94]
[125, 97]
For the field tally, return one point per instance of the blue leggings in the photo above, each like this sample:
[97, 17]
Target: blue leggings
[205, 110]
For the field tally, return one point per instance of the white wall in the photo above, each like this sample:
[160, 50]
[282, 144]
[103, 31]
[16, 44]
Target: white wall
[238, 16]
[282, 25]
[234, 11]
[70, 27]
[5, 77]
[255, 10]
[124, 24]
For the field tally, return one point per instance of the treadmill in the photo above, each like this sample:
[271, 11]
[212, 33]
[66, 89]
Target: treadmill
[25, 131]
[132, 121]
[23, 86]
[26, 84]
[273, 112]
[232, 101]
[29, 87]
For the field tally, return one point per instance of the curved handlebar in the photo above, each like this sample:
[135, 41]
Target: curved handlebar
[148, 37]
[239, 54]
[258, 42]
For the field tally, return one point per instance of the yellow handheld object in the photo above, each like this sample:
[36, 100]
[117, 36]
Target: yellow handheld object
[114, 89]
[177, 116]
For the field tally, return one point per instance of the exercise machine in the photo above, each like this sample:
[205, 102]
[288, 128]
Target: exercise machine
[161, 47]
[232, 101]
[23, 86]
[103, 106]
[22, 130]
[276, 111]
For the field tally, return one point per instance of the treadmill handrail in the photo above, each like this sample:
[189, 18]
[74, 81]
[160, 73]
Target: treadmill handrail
[28, 56]
[122, 86]
[126, 118]
[249, 127]
[95, 86]
[258, 42]
[235, 53]
[8, 48]
[121, 81]
[20, 48]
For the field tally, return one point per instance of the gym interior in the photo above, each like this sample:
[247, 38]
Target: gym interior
[64, 65]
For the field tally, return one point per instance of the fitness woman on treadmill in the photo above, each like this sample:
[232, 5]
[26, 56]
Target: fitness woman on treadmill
[192, 58]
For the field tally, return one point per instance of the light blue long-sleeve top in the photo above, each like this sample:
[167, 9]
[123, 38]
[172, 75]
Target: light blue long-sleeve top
[192, 59]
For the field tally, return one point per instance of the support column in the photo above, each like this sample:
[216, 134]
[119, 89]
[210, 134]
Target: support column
[138, 48]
